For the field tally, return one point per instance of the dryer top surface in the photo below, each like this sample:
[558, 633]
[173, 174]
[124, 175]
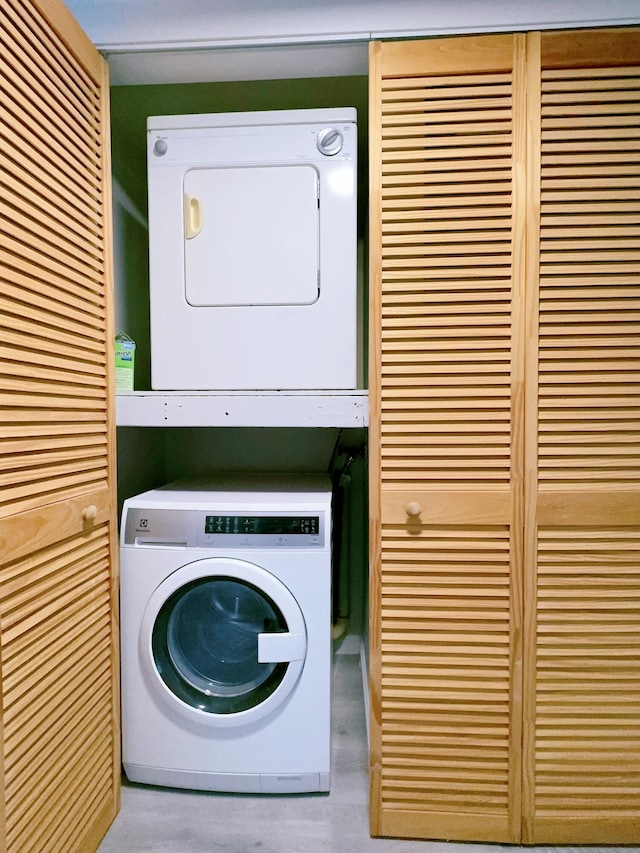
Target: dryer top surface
[252, 119]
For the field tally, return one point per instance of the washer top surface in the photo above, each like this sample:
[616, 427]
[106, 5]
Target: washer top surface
[238, 489]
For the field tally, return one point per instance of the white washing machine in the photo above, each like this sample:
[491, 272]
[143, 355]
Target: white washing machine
[226, 634]
[252, 250]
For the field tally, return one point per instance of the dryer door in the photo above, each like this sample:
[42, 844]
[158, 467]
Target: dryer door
[252, 236]
[223, 641]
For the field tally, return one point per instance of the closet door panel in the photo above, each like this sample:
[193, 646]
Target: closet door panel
[583, 758]
[58, 540]
[56, 689]
[447, 157]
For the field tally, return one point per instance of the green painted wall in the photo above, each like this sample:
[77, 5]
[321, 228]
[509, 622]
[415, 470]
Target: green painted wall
[130, 106]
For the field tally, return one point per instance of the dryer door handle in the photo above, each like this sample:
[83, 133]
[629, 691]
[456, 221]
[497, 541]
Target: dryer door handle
[192, 216]
[281, 648]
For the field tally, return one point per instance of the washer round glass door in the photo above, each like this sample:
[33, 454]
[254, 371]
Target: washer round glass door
[224, 640]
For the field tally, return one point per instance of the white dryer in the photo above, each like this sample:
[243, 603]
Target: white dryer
[252, 250]
[226, 634]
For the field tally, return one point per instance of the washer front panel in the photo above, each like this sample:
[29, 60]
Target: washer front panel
[284, 743]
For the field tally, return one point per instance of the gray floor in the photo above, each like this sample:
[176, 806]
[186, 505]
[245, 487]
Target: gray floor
[170, 821]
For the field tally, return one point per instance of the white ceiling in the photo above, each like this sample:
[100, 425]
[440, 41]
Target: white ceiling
[154, 41]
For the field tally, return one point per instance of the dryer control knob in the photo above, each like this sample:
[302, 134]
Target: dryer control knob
[330, 141]
[160, 148]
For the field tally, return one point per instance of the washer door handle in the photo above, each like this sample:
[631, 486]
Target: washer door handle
[281, 648]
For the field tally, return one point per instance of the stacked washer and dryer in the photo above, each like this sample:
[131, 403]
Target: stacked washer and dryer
[226, 581]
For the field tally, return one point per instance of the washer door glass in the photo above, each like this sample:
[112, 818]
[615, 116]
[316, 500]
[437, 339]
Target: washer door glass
[205, 645]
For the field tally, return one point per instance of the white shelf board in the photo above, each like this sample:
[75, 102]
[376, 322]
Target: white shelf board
[242, 409]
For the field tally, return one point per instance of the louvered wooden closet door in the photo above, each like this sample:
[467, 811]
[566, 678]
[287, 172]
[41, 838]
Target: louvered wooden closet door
[58, 587]
[447, 214]
[582, 675]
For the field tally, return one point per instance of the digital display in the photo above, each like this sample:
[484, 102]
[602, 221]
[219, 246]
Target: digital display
[308, 525]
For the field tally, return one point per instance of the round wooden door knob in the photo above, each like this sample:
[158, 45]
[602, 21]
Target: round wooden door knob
[90, 513]
[413, 509]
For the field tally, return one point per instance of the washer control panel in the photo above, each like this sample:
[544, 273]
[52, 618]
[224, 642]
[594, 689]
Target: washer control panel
[221, 529]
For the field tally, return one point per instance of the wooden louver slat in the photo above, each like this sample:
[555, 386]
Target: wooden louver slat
[33, 592]
[587, 748]
[445, 716]
[441, 310]
[577, 299]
